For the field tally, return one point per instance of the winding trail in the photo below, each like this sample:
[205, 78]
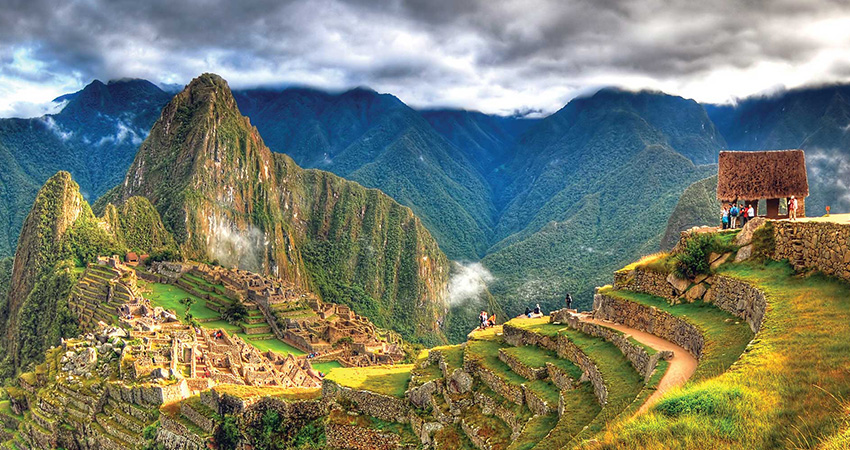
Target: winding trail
[682, 364]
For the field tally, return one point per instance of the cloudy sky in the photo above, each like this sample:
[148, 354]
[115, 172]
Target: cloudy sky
[496, 56]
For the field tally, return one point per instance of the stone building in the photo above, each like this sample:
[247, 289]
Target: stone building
[766, 175]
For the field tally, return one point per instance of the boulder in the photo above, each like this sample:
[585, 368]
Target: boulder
[460, 382]
[679, 284]
[744, 253]
[720, 260]
[696, 292]
[745, 236]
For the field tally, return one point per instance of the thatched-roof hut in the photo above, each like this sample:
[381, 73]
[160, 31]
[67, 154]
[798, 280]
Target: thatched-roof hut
[768, 175]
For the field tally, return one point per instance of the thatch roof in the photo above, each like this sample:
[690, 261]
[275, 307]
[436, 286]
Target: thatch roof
[758, 175]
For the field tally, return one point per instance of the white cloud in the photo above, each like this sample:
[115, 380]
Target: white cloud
[496, 56]
[468, 283]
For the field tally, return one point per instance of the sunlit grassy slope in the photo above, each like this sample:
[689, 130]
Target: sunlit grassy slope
[787, 390]
[387, 380]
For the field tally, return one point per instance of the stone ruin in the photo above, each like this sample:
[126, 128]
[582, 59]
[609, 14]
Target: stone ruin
[162, 347]
[333, 331]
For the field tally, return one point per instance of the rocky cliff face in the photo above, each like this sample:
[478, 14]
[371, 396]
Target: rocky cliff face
[226, 197]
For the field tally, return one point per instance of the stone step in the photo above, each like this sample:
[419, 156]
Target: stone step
[129, 422]
[118, 431]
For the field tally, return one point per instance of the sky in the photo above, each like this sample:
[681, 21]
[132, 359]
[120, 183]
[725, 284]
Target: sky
[500, 57]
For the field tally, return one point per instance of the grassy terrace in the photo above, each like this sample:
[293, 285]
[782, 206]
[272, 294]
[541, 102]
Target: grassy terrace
[580, 408]
[726, 336]
[535, 430]
[245, 392]
[788, 390]
[168, 296]
[538, 357]
[487, 352]
[622, 381]
[274, 344]
[387, 380]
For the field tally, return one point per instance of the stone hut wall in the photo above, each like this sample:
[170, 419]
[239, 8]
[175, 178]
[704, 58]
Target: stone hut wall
[824, 246]
[651, 320]
[647, 281]
[380, 406]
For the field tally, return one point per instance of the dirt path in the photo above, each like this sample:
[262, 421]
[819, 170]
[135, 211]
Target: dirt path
[682, 364]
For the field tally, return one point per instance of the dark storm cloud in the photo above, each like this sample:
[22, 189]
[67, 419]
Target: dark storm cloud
[499, 56]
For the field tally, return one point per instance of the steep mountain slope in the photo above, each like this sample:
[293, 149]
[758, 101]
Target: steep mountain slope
[813, 119]
[557, 159]
[225, 196]
[486, 140]
[94, 137]
[59, 233]
[380, 142]
[616, 217]
[697, 206]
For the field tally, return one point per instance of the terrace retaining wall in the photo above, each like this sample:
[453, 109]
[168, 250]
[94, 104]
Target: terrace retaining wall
[638, 356]
[648, 281]
[565, 348]
[651, 320]
[739, 299]
[384, 407]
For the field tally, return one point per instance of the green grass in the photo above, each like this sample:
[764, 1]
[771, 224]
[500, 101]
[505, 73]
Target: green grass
[224, 325]
[580, 408]
[788, 390]
[326, 367]
[275, 345]
[538, 357]
[726, 336]
[622, 381]
[487, 352]
[453, 354]
[387, 380]
[534, 431]
[168, 296]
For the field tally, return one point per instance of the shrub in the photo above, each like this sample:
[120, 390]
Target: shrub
[227, 435]
[693, 259]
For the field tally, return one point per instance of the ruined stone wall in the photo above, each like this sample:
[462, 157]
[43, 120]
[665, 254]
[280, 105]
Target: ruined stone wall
[823, 246]
[740, 299]
[384, 407]
[638, 356]
[651, 320]
[351, 437]
[647, 281]
[491, 407]
[173, 435]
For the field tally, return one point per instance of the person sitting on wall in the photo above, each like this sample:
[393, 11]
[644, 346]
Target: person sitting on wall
[492, 320]
[527, 312]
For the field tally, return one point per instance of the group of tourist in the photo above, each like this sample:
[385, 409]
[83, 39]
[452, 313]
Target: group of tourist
[734, 215]
[532, 313]
[486, 321]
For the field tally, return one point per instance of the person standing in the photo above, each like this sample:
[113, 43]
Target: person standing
[733, 216]
[792, 208]
[744, 210]
[569, 301]
[724, 212]
[751, 212]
